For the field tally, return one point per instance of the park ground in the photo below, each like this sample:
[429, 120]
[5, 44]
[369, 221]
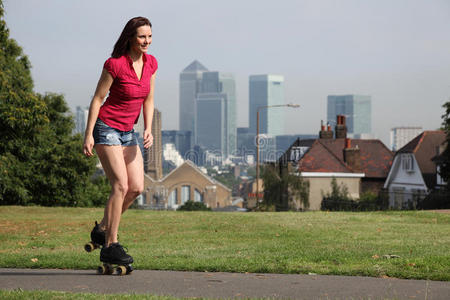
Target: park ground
[392, 244]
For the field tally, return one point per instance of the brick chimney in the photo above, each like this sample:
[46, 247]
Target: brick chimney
[325, 134]
[352, 156]
[341, 128]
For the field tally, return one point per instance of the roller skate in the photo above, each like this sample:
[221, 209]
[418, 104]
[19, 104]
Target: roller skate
[97, 239]
[115, 255]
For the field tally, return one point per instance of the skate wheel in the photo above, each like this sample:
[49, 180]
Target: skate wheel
[129, 269]
[101, 270]
[105, 270]
[89, 247]
[109, 269]
[121, 270]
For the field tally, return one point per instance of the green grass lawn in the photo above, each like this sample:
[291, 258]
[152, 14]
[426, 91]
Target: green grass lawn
[45, 295]
[340, 243]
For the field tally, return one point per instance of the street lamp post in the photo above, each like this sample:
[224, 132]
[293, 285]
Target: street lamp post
[257, 140]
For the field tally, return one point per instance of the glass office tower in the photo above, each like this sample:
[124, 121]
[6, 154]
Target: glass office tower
[265, 90]
[215, 125]
[190, 86]
[357, 110]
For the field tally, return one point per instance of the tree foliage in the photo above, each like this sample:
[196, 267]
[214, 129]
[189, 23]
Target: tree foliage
[339, 200]
[41, 162]
[193, 206]
[284, 190]
[445, 166]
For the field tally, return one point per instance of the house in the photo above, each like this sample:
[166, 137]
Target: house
[414, 172]
[359, 164]
[184, 183]
[248, 191]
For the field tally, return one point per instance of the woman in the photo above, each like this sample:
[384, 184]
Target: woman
[129, 77]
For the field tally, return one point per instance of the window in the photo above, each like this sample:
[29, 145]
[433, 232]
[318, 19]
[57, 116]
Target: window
[173, 198]
[198, 197]
[185, 193]
[408, 162]
[297, 153]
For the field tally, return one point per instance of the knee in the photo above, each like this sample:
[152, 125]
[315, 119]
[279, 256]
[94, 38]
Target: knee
[121, 188]
[135, 190]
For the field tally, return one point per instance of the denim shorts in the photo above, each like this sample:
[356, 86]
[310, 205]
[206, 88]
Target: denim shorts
[106, 135]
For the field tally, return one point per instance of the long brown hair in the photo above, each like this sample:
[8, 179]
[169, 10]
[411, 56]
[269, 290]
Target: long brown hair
[122, 45]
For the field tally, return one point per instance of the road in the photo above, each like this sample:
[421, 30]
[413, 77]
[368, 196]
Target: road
[224, 285]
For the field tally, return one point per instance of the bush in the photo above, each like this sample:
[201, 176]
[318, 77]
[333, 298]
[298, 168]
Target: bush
[265, 207]
[339, 200]
[371, 201]
[436, 199]
[194, 206]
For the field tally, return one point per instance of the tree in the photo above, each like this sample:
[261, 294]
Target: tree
[64, 173]
[41, 162]
[284, 190]
[22, 117]
[445, 166]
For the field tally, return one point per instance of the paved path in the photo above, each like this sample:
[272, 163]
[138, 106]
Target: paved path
[224, 285]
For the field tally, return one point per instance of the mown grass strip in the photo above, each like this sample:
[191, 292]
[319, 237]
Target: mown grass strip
[53, 295]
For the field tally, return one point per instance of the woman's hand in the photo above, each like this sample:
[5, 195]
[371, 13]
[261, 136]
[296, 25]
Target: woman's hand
[148, 139]
[88, 145]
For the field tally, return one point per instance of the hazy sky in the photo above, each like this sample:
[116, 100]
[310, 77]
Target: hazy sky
[397, 51]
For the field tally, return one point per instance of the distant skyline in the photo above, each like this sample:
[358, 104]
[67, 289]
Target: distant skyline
[395, 51]
[358, 112]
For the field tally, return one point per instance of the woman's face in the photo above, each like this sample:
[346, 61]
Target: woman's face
[142, 39]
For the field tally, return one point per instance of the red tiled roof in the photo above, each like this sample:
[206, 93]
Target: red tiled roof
[376, 158]
[326, 155]
[320, 159]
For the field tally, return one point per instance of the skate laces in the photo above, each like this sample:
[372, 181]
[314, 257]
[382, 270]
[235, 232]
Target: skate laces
[122, 248]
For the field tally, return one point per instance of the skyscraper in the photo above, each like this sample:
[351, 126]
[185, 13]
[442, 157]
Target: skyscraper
[400, 136]
[81, 119]
[215, 122]
[190, 86]
[153, 155]
[265, 90]
[356, 108]
[211, 121]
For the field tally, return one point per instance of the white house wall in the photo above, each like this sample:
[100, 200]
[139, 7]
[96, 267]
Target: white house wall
[404, 185]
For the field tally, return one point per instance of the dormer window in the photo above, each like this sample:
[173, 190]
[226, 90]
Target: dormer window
[408, 162]
[297, 153]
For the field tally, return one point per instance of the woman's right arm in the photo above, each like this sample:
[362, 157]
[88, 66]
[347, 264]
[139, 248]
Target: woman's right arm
[103, 86]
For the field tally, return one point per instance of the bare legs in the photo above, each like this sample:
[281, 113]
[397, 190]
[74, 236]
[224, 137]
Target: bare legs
[124, 168]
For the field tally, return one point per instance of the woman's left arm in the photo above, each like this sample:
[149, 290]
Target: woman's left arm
[149, 107]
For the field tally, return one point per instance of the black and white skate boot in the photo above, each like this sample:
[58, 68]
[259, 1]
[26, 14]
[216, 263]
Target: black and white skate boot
[97, 239]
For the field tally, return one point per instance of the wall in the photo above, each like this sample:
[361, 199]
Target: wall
[322, 185]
